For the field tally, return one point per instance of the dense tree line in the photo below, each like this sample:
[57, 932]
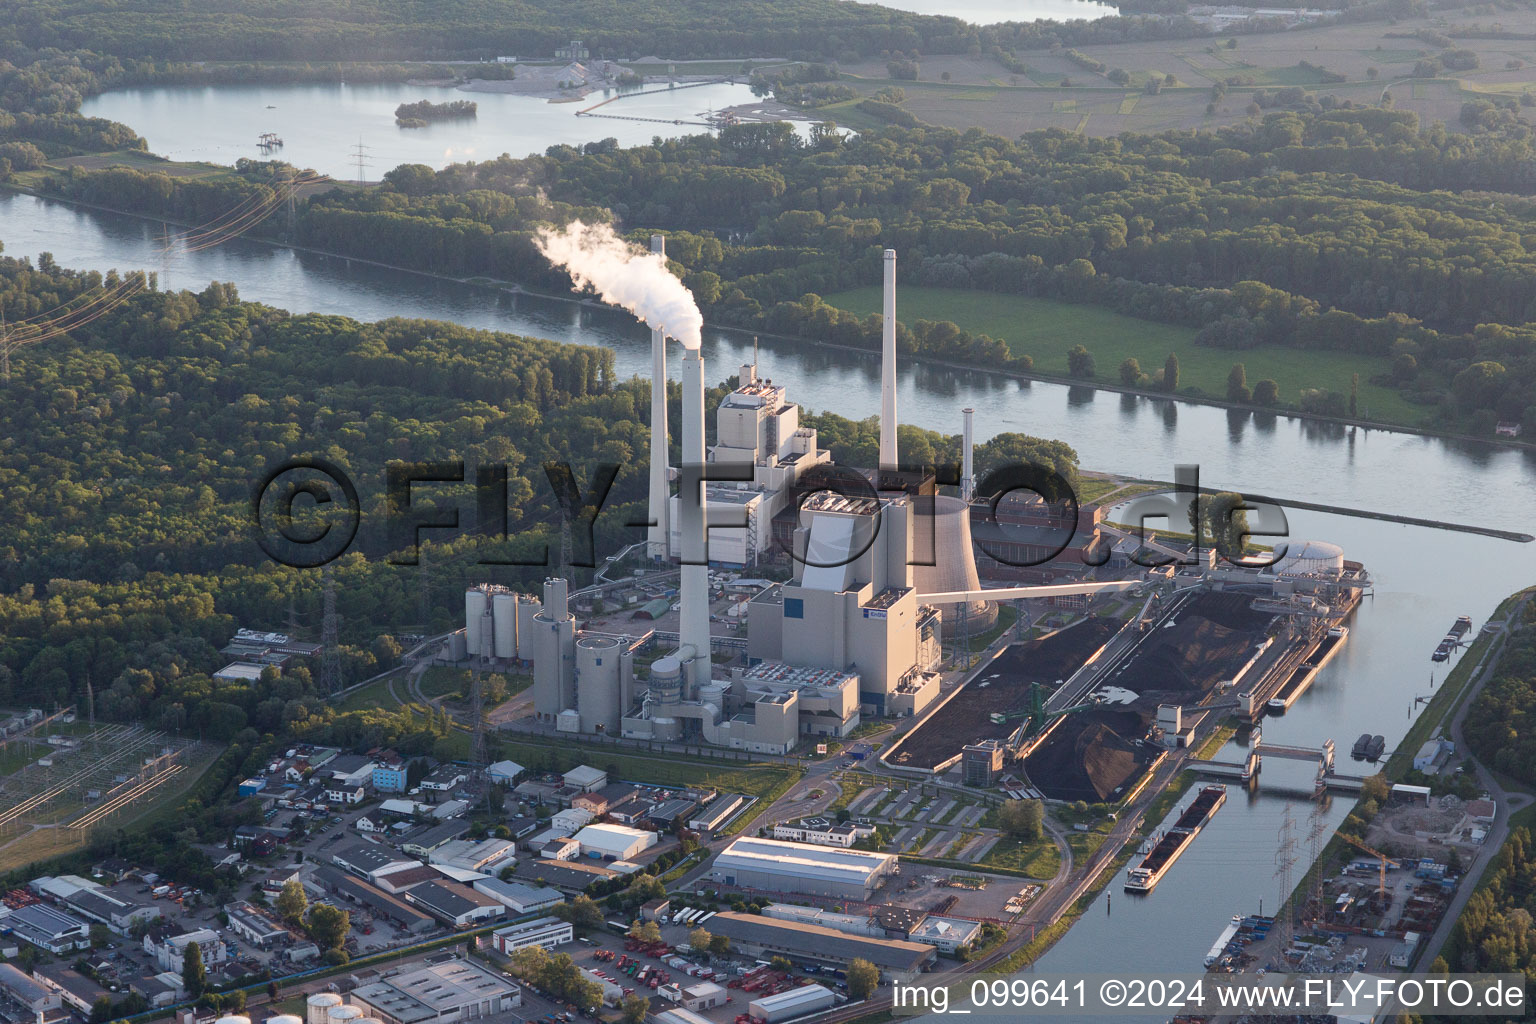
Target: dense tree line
[1500, 726]
[1495, 933]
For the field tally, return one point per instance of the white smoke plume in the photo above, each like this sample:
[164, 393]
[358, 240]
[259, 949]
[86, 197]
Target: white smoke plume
[626, 276]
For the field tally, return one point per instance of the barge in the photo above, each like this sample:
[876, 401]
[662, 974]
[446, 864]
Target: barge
[1301, 679]
[1145, 876]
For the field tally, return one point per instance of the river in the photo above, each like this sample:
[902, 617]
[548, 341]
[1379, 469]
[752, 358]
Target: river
[1424, 577]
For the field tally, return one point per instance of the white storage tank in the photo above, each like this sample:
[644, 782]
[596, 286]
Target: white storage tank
[667, 680]
[597, 684]
[233, 1019]
[474, 612]
[504, 614]
[284, 1018]
[368, 1020]
[344, 1014]
[318, 1007]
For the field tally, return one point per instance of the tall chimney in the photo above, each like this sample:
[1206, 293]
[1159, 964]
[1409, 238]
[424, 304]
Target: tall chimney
[658, 536]
[888, 367]
[694, 630]
[967, 469]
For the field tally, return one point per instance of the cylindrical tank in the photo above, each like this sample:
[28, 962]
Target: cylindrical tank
[284, 1018]
[556, 598]
[504, 612]
[1310, 558]
[667, 680]
[597, 684]
[474, 611]
[666, 730]
[233, 1019]
[368, 1020]
[318, 1007]
[954, 563]
[527, 646]
[713, 693]
[344, 1014]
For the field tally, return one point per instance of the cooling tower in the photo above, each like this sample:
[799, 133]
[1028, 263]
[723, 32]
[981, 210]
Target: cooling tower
[474, 615]
[554, 653]
[597, 684]
[694, 628]
[954, 565]
[504, 615]
[888, 367]
[318, 1007]
[657, 536]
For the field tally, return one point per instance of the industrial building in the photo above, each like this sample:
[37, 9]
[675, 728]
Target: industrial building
[821, 832]
[775, 866]
[377, 901]
[27, 992]
[614, 842]
[519, 898]
[810, 943]
[171, 953]
[947, 934]
[446, 992]
[370, 860]
[50, 929]
[454, 904]
[792, 1003]
[981, 763]
[547, 932]
[700, 995]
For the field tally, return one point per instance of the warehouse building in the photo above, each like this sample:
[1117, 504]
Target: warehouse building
[50, 929]
[699, 996]
[717, 812]
[775, 866]
[614, 842]
[547, 932]
[378, 902]
[519, 898]
[763, 936]
[445, 993]
[454, 904]
[29, 993]
[370, 860]
[792, 1003]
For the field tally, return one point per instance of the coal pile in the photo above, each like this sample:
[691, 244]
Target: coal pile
[1089, 756]
[1212, 637]
[1002, 687]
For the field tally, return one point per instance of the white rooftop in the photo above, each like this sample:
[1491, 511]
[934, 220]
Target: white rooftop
[822, 862]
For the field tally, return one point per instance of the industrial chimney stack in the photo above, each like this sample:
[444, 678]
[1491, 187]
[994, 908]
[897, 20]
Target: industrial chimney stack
[694, 630]
[967, 469]
[656, 541]
[888, 367]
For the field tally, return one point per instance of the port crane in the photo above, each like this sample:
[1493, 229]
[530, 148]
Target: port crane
[1381, 887]
[1036, 717]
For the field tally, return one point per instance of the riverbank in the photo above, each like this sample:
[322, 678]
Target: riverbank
[1023, 377]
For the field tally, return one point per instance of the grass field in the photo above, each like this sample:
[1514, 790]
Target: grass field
[1039, 859]
[1046, 329]
[767, 781]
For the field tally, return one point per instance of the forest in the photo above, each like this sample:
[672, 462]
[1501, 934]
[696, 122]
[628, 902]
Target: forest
[1349, 230]
[1501, 723]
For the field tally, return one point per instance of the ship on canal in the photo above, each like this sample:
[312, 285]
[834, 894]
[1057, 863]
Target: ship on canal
[1145, 876]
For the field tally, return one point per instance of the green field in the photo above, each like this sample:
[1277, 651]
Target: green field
[1046, 329]
[1039, 859]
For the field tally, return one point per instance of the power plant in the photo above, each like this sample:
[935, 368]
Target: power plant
[878, 577]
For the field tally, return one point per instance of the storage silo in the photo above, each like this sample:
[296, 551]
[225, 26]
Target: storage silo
[344, 1014]
[954, 563]
[368, 1020]
[233, 1019]
[318, 1007]
[554, 656]
[504, 613]
[284, 1018]
[474, 615]
[667, 680]
[597, 684]
[527, 646]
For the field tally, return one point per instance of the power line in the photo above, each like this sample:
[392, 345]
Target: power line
[330, 658]
[360, 153]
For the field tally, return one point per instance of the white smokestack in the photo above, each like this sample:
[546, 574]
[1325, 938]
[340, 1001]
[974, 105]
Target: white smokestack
[694, 630]
[967, 469]
[656, 541]
[625, 276]
[888, 367]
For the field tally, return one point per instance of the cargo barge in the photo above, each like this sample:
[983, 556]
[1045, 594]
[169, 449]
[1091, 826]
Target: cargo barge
[1368, 747]
[1145, 876]
[1460, 628]
[1301, 679]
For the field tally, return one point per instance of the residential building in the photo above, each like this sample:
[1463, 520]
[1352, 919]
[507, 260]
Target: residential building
[344, 794]
[390, 777]
[170, 952]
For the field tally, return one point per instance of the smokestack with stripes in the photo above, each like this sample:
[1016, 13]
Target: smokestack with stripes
[656, 541]
[694, 629]
[888, 367]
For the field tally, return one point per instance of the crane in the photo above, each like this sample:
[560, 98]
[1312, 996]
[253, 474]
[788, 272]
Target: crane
[1381, 888]
[1036, 717]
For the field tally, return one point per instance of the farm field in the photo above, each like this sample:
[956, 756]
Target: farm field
[963, 91]
[1046, 329]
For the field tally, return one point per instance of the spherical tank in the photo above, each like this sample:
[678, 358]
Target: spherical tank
[597, 684]
[474, 611]
[318, 1007]
[504, 614]
[954, 564]
[1311, 558]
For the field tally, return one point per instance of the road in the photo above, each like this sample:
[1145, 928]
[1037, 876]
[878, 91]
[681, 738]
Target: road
[1507, 802]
